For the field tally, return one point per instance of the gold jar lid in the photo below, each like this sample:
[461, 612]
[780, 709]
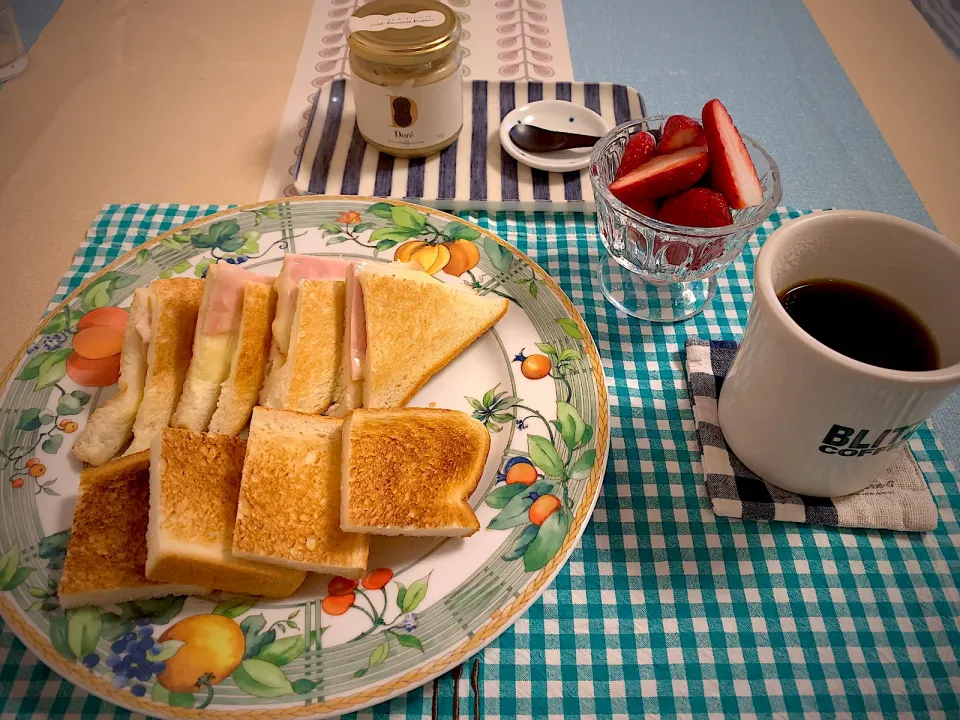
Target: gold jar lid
[403, 32]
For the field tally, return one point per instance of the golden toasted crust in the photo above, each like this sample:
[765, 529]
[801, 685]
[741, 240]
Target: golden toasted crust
[195, 484]
[315, 346]
[199, 482]
[289, 510]
[201, 386]
[412, 471]
[415, 327]
[241, 389]
[108, 544]
[176, 303]
[349, 392]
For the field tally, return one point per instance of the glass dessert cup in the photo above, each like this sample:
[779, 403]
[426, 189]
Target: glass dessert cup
[658, 271]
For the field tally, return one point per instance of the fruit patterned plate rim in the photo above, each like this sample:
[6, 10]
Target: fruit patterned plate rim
[537, 544]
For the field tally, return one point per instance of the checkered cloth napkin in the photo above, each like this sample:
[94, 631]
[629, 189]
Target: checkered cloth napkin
[898, 500]
[664, 610]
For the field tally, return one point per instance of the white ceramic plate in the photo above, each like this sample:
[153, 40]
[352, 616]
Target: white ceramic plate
[427, 604]
[556, 115]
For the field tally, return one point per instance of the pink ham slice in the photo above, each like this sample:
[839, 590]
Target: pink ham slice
[296, 268]
[227, 297]
[356, 320]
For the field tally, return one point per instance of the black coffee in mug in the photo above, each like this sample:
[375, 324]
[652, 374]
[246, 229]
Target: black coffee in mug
[861, 323]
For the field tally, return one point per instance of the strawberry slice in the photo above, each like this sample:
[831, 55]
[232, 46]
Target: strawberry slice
[696, 207]
[648, 207]
[661, 175]
[732, 169]
[679, 132]
[639, 149]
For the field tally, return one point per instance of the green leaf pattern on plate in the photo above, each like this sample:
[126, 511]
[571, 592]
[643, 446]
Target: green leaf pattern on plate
[560, 456]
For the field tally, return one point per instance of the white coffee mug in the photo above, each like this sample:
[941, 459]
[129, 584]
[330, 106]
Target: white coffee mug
[807, 418]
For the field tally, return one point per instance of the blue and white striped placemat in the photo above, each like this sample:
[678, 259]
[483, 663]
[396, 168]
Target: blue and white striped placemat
[473, 172]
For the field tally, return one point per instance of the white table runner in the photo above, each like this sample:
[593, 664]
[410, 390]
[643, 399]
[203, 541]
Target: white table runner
[530, 44]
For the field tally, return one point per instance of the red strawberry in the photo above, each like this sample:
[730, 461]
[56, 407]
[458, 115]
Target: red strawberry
[679, 132]
[707, 253]
[648, 207]
[732, 169]
[661, 175]
[676, 253]
[639, 149]
[696, 207]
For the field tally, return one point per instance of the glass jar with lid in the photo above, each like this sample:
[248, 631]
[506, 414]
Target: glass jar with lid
[405, 75]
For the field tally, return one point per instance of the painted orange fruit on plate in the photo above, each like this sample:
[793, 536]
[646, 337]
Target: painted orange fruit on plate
[112, 317]
[213, 648]
[93, 373]
[464, 256]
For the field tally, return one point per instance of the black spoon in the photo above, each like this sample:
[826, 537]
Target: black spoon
[538, 140]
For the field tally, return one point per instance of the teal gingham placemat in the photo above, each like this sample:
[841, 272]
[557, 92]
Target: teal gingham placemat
[665, 610]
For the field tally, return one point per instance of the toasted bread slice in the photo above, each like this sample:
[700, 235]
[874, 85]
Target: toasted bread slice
[415, 325]
[107, 549]
[109, 429]
[349, 391]
[306, 379]
[194, 486]
[289, 509]
[214, 342]
[175, 304]
[411, 472]
[241, 389]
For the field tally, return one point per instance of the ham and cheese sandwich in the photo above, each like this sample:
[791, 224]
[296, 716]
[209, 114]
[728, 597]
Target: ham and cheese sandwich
[156, 352]
[396, 327]
[413, 326]
[168, 334]
[307, 334]
[109, 429]
[229, 351]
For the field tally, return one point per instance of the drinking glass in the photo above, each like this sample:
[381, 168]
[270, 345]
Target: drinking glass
[13, 56]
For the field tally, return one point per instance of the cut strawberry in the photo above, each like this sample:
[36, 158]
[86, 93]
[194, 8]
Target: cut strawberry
[662, 175]
[648, 207]
[679, 132]
[696, 207]
[707, 253]
[732, 170]
[676, 253]
[639, 149]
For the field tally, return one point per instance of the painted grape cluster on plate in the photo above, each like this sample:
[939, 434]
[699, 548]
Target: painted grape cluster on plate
[426, 604]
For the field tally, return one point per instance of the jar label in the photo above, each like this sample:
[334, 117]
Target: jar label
[409, 116]
[425, 18]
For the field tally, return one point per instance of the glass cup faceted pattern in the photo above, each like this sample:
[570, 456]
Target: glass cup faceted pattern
[13, 56]
[658, 271]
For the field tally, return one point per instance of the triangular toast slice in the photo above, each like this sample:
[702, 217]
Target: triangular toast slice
[174, 305]
[305, 380]
[215, 342]
[415, 325]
